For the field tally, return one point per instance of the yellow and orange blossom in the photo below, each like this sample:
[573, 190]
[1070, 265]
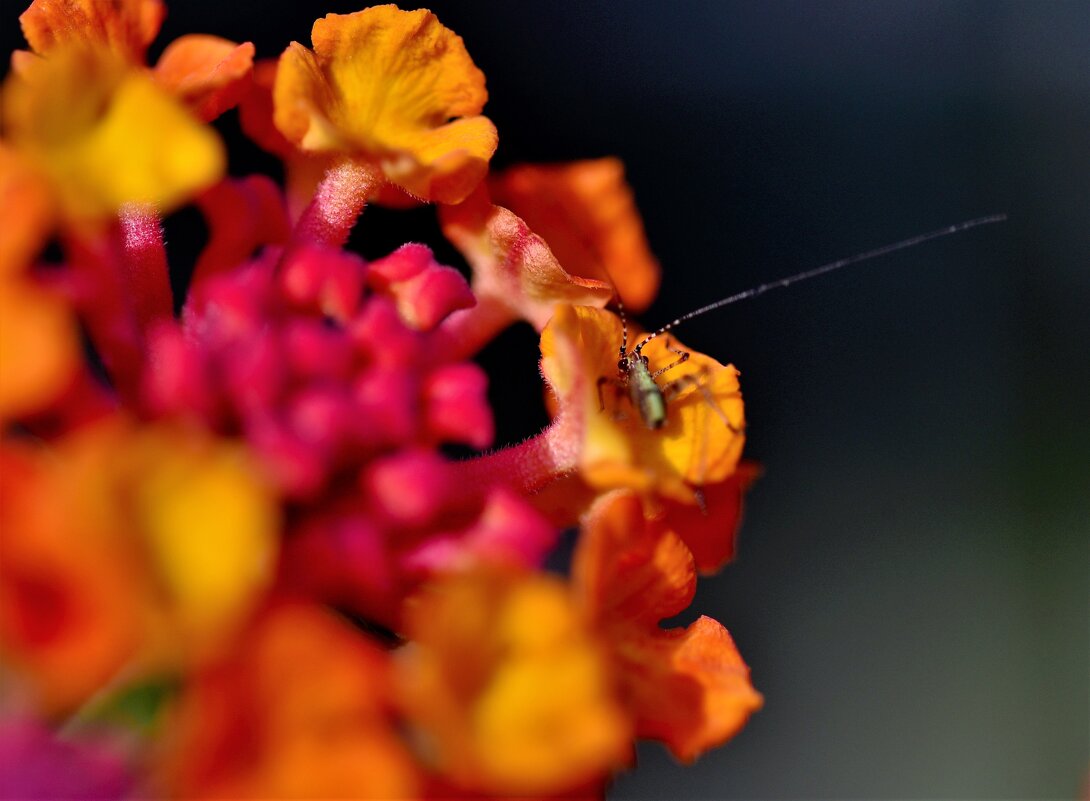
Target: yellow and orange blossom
[394, 89]
[104, 134]
[702, 439]
[485, 646]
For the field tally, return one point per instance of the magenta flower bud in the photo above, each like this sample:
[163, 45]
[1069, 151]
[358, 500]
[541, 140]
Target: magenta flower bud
[456, 405]
[409, 488]
[317, 278]
[425, 291]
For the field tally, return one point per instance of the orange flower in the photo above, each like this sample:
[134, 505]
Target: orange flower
[506, 687]
[586, 212]
[105, 135]
[701, 440]
[206, 73]
[382, 85]
[687, 687]
[119, 544]
[299, 709]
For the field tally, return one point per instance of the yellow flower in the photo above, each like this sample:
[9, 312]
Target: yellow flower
[105, 134]
[395, 89]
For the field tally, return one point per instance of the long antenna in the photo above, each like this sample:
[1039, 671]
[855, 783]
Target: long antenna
[825, 268]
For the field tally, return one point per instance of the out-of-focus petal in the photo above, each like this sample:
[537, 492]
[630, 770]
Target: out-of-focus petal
[123, 26]
[210, 525]
[687, 687]
[701, 440]
[242, 214]
[395, 88]
[26, 207]
[299, 710]
[72, 588]
[484, 646]
[39, 348]
[585, 210]
[36, 763]
[206, 73]
[106, 135]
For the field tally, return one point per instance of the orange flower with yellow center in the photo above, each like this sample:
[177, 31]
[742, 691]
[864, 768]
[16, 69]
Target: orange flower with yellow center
[506, 689]
[395, 90]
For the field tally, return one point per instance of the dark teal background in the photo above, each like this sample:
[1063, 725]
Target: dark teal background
[912, 588]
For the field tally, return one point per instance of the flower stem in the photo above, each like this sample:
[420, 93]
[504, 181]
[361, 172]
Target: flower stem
[337, 203]
[528, 466]
[144, 270]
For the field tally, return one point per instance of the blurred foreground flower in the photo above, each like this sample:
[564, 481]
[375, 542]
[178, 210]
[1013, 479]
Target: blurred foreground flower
[237, 556]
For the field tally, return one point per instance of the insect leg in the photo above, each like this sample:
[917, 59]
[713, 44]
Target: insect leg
[671, 390]
[683, 356]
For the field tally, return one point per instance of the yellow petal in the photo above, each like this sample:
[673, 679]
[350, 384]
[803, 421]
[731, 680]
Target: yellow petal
[107, 135]
[211, 524]
[385, 85]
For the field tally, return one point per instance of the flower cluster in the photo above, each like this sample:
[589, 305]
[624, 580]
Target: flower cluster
[236, 556]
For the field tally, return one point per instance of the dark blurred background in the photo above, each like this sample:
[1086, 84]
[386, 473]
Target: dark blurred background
[912, 585]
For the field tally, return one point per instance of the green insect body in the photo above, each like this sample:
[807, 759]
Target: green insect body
[645, 394]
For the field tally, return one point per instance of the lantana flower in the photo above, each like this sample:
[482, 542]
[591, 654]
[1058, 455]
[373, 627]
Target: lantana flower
[258, 543]
[397, 97]
[207, 73]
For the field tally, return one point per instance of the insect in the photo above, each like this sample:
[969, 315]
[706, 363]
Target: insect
[650, 398]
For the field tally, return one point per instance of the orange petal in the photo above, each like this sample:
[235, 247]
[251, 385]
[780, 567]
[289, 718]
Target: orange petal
[39, 347]
[710, 530]
[508, 687]
[300, 710]
[71, 587]
[701, 440]
[512, 265]
[124, 26]
[107, 135]
[623, 572]
[690, 687]
[687, 687]
[585, 210]
[394, 87]
[207, 73]
[26, 207]
[256, 111]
